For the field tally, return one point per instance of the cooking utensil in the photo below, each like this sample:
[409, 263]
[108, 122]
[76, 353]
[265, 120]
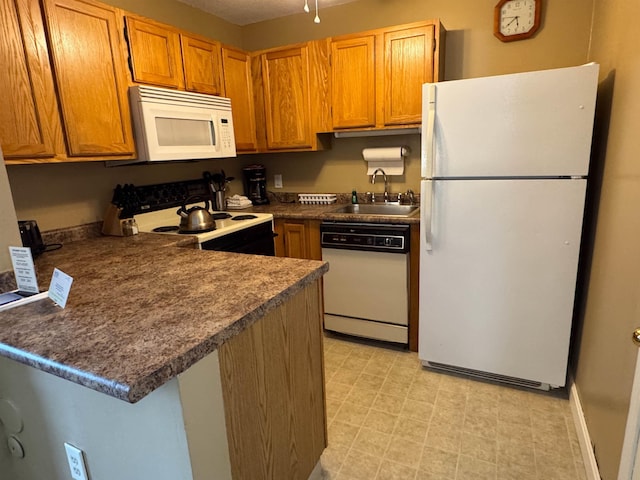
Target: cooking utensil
[216, 179]
[217, 183]
[196, 219]
[212, 191]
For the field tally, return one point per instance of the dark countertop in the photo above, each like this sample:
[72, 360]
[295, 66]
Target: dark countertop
[326, 212]
[142, 310]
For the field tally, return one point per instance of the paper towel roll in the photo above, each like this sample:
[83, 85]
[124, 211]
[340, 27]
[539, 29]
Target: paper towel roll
[390, 159]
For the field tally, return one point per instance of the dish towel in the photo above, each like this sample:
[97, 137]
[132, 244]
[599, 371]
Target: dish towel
[238, 201]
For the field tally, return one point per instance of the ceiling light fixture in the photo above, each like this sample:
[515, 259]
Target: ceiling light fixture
[306, 9]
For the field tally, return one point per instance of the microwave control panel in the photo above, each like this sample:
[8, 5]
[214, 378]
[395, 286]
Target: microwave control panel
[226, 132]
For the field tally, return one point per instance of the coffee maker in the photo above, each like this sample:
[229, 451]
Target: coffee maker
[255, 184]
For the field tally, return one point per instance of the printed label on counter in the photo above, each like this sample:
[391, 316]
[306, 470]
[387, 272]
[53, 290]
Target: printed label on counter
[59, 287]
[24, 269]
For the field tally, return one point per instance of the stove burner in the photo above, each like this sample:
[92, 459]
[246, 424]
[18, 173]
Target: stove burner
[168, 228]
[194, 232]
[243, 217]
[220, 216]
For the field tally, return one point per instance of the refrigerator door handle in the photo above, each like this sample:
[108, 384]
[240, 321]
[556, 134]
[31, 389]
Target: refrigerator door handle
[428, 146]
[427, 200]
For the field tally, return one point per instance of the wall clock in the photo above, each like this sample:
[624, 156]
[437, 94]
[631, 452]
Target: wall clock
[516, 19]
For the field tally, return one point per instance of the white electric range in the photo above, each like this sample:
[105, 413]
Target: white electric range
[155, 210]
[235, 231]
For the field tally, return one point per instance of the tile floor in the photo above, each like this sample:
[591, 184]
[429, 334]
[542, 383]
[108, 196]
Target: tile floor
[389, 418]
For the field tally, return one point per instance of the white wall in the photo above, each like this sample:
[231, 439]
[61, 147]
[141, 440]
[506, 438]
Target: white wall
[9, 233]
[158, 438]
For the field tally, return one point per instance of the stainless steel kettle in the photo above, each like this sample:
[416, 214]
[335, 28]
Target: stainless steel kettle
[196, 219]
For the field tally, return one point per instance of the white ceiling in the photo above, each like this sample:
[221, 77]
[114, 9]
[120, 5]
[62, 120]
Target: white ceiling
[244, 12]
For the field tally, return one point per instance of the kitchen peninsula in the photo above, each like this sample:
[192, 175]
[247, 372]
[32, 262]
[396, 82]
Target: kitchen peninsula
[167, 363]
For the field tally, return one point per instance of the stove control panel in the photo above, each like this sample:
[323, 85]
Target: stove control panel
[149, 198]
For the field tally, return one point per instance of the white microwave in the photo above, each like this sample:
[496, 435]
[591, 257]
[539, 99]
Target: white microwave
[175, 125]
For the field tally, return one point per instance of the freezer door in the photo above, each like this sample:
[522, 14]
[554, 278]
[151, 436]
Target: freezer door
[497, 288]
[527, 124]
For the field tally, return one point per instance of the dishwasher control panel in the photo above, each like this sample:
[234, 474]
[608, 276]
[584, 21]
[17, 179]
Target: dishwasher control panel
[356, 236]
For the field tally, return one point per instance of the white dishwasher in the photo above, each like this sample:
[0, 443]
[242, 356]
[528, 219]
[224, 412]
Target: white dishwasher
[366, 291]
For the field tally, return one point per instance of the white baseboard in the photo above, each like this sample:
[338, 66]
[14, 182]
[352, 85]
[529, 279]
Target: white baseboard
[588, 457]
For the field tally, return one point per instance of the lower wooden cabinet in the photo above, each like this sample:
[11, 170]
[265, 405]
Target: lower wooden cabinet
[298, 238]
[272, 379]
[414, 287]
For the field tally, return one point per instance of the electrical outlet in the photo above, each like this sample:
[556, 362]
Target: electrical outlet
[277, 180]
[76, 462]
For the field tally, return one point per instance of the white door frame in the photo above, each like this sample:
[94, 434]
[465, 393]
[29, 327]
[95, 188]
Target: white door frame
[629, 459]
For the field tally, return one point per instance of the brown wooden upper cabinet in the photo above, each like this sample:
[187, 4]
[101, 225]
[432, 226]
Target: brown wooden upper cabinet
[167, 57]
[155, 53]
[90, 76]
[67, 91]
[353, 82]
[29, 121]
[377, 75]
[285, 76]
[291, 96]
[202, 64]
[238, 87]
[70, 80]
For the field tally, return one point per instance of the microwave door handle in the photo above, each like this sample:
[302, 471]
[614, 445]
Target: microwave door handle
[214, 131]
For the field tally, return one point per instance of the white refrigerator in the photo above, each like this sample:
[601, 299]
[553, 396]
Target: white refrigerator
[504, 167]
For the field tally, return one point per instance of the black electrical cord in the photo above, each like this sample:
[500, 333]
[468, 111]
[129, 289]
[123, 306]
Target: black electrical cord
[52, 246]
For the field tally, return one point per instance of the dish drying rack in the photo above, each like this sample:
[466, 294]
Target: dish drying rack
[317, 198]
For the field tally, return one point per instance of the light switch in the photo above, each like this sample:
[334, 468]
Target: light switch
[277, 180]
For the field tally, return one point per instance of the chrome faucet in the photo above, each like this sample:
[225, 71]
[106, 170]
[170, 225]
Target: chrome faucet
[411, 197]
[386, 185]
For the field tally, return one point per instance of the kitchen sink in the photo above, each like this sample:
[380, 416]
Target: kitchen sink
[385, 209]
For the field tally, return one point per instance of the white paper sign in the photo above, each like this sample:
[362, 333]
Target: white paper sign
[59, 287]
[24, 269]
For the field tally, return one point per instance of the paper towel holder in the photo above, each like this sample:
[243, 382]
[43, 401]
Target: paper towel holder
[390, 159]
